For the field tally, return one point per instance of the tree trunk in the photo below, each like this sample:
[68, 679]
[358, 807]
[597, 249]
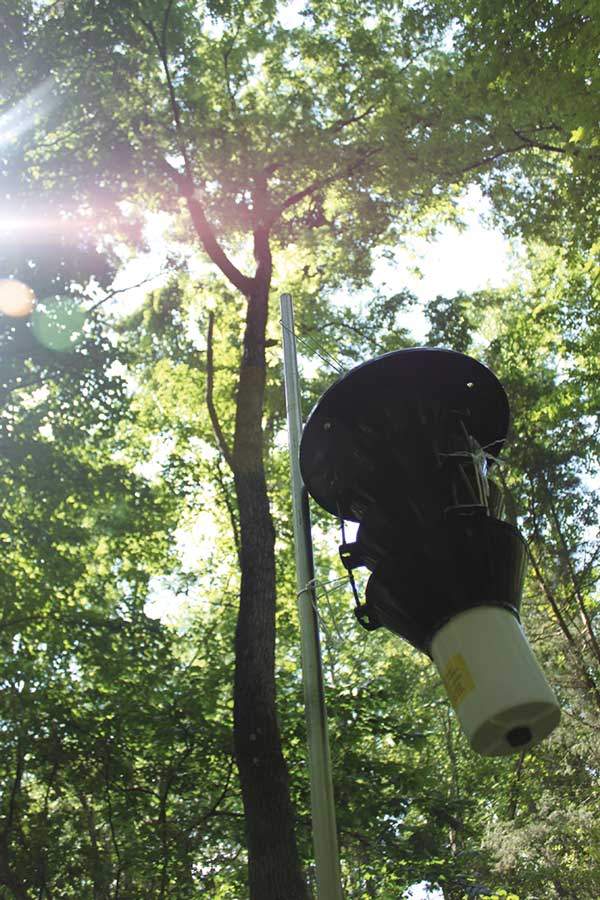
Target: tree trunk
[8, 879]
[274, 868]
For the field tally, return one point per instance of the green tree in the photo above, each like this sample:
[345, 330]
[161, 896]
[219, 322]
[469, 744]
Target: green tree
[537, 335]
[117, 752]
[536, 69]
[318, 139]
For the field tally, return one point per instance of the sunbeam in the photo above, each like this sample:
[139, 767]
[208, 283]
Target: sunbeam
[26, 113]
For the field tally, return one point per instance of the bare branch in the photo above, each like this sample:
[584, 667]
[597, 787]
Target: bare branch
[539, 145]
[110, 294]
[225, 814]
[480, 164]
[161, 46]
[351, 120]
[513, 792]
[319, 183]
[526, 143]
[230, 511]
[15, 787]
[548, 592]
[44, 886]
[310, 189]
[210, 372]
[242, 282]
[111, 823]
[566, 554]
[214, 810]
[552, 600]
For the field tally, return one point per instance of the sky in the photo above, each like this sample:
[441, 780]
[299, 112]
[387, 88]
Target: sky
[458, 260]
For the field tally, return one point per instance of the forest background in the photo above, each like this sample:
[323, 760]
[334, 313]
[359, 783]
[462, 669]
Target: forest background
[290, 148]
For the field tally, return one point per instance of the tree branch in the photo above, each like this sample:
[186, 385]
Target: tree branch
[320, 183]
[110, 294]
[242, 282]
[163, 816]
[548, 592]
[550, 597]
[113, 834]
[227, 51]
[214, 810]
[212, 412]
[44, 887]
[95, 850]
[585, 619]
[513, 794]
[310, 189]
[230, 511]
[492, 158]
[161, 46]
[15, 788]
[539, 145]
[351, 120]
[226, 54]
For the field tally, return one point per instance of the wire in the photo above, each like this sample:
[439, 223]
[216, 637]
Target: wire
[311, 587]
[324, 355]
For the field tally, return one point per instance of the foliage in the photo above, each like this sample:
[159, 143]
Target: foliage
[291, 145]
[104, 726]
[535, 336]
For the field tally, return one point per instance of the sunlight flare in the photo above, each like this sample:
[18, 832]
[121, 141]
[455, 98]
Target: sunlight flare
[58, 323]
[25, 114]
[16, 299]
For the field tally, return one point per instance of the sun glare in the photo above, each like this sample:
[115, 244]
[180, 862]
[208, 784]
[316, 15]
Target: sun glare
[25, 114]
[12, 224]
[36, 223]
[16, 299]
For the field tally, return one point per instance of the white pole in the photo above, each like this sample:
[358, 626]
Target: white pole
[324, 829]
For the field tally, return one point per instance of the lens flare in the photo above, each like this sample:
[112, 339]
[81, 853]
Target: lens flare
[57, 323]
[16, 299]
[26, 113]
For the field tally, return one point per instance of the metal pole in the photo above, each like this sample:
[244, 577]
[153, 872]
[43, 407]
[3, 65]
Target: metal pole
[321, 786]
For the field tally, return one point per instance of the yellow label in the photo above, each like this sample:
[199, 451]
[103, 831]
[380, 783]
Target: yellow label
[457, 679]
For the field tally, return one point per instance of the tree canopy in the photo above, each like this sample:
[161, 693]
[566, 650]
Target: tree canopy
[143, 456]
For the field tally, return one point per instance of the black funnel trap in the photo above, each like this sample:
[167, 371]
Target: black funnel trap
[404, 444]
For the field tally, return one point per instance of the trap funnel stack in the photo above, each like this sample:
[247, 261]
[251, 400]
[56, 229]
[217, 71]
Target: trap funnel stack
[403, 445]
